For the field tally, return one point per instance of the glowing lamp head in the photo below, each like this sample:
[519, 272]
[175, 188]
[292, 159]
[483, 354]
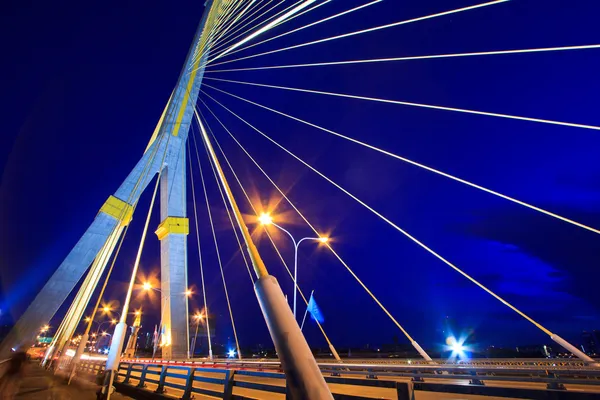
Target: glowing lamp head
[458, 348]
[87, 319]
[138, 312]
[198, 317]
[113, 321]
[189, 293]
[147, 286]
[323, 239]
[231, 353]
[265, 219]
[106, 309]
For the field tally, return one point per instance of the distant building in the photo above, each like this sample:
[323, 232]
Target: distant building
[591, 342]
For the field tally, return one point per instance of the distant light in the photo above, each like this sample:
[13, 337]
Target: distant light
[104, 333]
[458, 348]
[106, 309]
[265, 219]
[231, 353]
[199, 317]
[105, 351]
[113, 321]
[324, 239]
[138, 312]
[188, 292]
[147, 286]
[87, 319]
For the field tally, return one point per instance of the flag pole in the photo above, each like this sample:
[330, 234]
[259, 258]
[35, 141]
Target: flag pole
[306, 312]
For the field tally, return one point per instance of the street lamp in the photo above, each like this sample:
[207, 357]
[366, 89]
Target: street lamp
[147, 286]
[265, 220]
[112, 321]
[43, 330]
[198, 318]
[107, 310]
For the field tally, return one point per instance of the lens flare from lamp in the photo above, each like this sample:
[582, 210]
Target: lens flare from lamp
[147, 286]
[457, 347]
[324, 239]
[265, 219]
[231, 353]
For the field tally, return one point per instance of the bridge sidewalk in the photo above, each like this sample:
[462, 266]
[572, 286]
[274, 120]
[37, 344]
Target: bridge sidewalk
[40, 384]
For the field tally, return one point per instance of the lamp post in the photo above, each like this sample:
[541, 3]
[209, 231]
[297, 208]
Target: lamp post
[265, 220]
[147, 286]
[198, 318]
[106, 334]
[112, 321]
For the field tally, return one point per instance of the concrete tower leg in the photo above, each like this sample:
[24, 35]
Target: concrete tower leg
[116, 210]
[73, 318]
[62, 282]
[172, 233]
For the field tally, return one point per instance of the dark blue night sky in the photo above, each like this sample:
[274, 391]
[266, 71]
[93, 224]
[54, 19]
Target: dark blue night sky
[82, 86]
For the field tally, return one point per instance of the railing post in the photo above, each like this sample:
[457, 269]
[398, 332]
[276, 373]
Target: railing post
[161, 380]
[128, 374]
[554, 385]
[143, 376]
[371, 374]
[475, 380]
[229, 384]
[402, 391]
[417, 377]
[189, 385]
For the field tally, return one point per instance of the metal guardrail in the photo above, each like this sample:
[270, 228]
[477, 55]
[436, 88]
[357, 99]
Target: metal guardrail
[354, 364]
[219, 378]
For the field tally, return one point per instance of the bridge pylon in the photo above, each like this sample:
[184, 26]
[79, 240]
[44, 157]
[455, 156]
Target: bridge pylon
[168, 139]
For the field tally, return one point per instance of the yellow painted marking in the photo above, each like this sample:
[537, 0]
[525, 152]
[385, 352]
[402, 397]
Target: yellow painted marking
[118, 209]
[170, 225]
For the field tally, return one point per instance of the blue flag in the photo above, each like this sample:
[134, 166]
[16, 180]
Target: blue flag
[315, 312]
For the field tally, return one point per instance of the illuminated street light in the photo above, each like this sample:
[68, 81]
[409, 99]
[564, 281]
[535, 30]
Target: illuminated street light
[198, 317]
[147, 286]
[265, 219]
[231, 353]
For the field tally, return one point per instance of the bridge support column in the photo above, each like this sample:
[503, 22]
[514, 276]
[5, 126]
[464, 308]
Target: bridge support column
[172, 233]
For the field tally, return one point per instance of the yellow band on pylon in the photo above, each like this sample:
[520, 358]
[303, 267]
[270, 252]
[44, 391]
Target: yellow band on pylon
[118, 209]
[178, 225]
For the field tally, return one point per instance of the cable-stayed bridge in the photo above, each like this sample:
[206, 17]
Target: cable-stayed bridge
[227, 48]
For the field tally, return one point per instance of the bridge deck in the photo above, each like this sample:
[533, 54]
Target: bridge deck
[40, 384]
